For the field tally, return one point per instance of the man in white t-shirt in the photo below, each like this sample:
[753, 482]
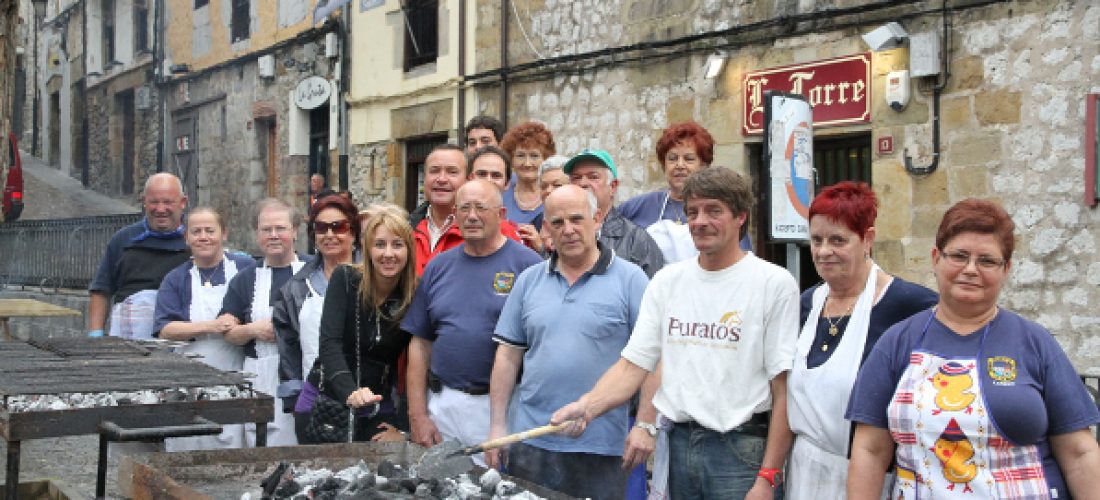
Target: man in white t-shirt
[723, 327]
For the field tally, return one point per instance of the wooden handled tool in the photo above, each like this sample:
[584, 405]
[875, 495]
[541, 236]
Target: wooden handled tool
[511, 438]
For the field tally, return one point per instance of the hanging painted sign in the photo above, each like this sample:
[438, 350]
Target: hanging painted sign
[789, 155]
[839, 90]
[312, 92]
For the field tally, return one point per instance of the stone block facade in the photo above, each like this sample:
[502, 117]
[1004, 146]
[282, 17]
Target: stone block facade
[1011, 116]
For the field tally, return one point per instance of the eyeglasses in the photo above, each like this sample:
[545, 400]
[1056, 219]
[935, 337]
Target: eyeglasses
[481, 209]
[984, 262]
[337, 227]
[274, 230]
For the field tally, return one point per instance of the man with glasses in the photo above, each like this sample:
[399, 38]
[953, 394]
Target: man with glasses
[452, 318]
[248, 302]
[136, 261]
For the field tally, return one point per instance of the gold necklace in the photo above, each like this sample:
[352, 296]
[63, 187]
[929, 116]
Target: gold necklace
[834, 329]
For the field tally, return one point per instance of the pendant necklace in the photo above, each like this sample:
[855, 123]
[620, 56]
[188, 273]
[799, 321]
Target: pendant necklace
[206, 278]
[834, 329]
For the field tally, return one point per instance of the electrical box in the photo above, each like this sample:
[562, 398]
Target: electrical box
[897, 89]
[332, 45]
[924, 54]
[266, 65]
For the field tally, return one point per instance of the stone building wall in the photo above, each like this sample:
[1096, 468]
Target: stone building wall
[1012, 116]
[230, 141]
[106, 137]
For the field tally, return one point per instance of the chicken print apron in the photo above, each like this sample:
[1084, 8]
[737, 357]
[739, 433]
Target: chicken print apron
[948, 447]
[216, 352]
[280, 431]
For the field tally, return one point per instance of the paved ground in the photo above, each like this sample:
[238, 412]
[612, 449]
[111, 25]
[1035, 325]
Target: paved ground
[51, 194]
[71, 461]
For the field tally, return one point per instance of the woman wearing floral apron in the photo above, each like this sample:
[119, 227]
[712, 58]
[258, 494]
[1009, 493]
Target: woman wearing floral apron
[247, 303]
[841, 320]
[977, 401]
[187, 308]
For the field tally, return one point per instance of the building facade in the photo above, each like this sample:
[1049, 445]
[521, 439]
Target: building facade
[405, 97]
[253, 99]
[1012, 110]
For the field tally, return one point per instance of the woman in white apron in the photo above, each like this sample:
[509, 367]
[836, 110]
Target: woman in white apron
[971, 400]
[361, 336]
[248, 303]
[187, 308]
[841, 320]
[334, 225]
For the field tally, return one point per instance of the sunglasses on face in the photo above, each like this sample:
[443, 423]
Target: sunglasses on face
[337, 227]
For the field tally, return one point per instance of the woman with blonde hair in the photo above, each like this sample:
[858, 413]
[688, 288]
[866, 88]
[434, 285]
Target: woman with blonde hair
[361, 338]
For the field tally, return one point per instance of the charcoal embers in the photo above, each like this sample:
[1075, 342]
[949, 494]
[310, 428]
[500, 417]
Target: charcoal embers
[392, 481]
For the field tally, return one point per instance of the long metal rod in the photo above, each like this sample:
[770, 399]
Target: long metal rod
[13, 471]
[101, 468]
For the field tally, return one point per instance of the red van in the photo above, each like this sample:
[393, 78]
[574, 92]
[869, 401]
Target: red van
[13, 189]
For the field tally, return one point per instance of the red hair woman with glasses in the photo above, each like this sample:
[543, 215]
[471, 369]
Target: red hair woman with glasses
[334, 227]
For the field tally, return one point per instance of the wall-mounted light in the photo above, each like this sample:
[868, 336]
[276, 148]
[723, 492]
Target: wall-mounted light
[715, 62]
[176, 69]
[888, 36]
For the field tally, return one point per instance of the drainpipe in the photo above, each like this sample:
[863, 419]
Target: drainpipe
[344, 30]
[460, 99]
[85, 175]
[504, 4]
[158, 77]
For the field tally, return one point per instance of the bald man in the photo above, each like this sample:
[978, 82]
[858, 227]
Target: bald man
[137, 259]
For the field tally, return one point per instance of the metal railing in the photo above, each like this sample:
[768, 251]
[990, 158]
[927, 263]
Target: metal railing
[57, 253]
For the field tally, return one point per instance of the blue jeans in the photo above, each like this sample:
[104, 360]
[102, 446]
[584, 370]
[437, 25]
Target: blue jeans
[706, 464]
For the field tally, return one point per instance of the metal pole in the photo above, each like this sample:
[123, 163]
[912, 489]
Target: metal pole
[261, 434]
[101, 468]
[13, 471]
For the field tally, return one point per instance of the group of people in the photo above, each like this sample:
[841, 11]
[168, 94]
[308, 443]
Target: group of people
[519, 295]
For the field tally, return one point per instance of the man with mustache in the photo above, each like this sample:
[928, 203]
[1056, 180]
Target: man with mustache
[136, 261]
[452, 318]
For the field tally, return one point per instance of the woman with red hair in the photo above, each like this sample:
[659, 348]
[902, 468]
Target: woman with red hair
[683, 149]
[529, 144]
[842, 319]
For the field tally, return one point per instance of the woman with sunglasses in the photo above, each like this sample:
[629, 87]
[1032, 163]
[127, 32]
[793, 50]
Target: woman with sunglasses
[361, 336]
[334, 227]
[967, 399]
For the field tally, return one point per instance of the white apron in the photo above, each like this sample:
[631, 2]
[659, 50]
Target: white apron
[135, 316]
[948, 447]
[280, 431]
[216, 352]
[309, 328]
[817, 398]
[673, 237]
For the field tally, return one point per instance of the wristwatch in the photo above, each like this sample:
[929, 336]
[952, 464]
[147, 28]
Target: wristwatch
[774, 477]
[650, 428]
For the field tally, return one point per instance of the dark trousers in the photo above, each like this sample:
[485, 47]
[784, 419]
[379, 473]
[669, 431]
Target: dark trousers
[581, 475]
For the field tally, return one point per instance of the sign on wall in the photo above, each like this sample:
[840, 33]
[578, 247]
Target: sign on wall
[789, 155]
[838, 90]
[312, 92]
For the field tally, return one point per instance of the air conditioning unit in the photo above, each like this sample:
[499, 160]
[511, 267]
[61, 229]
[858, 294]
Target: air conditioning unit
[332, 45]
[266, 65]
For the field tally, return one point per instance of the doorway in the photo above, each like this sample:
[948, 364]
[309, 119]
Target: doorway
[55, 129]
[416, 153]
[318, 143]
[836, 159]
[124, 103]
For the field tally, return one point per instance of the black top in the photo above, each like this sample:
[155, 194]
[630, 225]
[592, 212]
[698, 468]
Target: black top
[901, 300]
[381, 340]
[239, 293]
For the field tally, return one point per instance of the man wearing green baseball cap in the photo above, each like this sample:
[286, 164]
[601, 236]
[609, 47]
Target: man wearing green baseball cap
[594, 170]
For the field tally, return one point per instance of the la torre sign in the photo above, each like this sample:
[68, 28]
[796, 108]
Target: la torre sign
[312, 92]
[838, 89]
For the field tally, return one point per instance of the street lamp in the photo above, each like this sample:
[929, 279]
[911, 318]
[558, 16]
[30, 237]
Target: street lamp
[39, 10]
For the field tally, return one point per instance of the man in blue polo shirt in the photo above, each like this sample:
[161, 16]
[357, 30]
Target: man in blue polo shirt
[565, 322]
[451, 319]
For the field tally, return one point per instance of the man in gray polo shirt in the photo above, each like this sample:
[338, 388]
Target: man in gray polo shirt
[565, 322]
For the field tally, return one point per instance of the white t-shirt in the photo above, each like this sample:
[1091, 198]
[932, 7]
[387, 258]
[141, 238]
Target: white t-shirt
[722, 336]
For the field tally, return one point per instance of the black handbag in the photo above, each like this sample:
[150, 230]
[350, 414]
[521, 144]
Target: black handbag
[332, 421]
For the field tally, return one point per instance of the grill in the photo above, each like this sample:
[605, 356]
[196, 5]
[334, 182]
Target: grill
[225, 474]
[122, 390]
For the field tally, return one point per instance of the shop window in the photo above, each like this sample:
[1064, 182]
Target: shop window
[141, 26]
[108, 32]
[240, 20]
[1092, 149]
[421, 32]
